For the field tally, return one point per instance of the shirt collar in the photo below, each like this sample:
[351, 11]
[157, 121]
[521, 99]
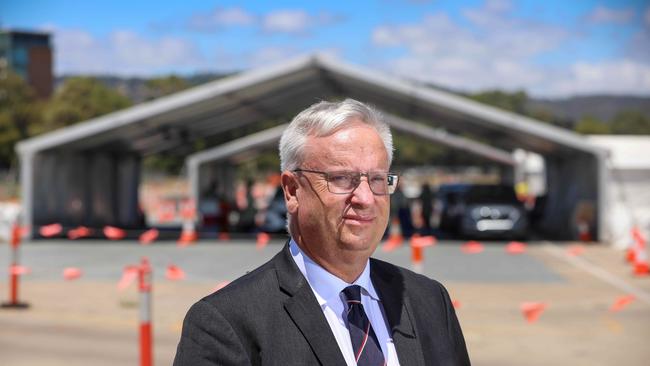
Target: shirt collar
[325, 284]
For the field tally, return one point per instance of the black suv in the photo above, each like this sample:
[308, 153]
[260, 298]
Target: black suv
[481, 211]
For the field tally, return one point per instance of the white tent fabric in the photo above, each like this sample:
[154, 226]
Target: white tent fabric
[628, 189]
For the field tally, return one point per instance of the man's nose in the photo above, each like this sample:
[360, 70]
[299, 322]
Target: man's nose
[363, 194]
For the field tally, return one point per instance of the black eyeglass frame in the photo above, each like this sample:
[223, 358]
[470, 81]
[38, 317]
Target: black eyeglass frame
[391, 177]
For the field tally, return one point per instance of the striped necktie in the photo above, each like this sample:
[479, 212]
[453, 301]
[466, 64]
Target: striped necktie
[365, 345]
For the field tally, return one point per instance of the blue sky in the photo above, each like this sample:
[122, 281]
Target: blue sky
[549, 48]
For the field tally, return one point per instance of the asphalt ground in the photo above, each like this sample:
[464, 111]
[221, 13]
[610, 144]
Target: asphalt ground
[88, 321]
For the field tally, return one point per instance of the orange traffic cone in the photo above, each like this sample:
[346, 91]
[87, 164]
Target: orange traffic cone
[395, 238]
[262, 240]
[631, 249]
[532, 310]
[641, 267]
[584, 233]
[417, 255]
[188, 235]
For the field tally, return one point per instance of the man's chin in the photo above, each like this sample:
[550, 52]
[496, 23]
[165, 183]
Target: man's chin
[358, 241]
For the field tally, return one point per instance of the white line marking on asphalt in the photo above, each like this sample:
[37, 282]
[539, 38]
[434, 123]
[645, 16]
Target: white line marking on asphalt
[598, 272]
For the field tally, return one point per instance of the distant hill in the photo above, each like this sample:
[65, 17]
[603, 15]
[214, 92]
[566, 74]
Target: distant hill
[134, 87]
[602, 107]
[572, 109]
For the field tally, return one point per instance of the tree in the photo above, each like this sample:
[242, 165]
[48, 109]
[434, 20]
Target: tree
[19, 111]
[514, 102]
[416, 151]
[79, 99]
[631, 122]
[158, 87]
[589, 125]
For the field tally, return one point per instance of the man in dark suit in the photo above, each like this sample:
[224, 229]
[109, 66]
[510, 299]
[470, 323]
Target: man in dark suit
[322, 300]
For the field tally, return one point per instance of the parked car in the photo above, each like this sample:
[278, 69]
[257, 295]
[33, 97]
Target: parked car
[481, 211]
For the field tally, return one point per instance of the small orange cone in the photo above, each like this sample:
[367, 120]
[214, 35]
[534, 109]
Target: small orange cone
[584, 233]
[575, 250]
[621, 302]
[641, 267]
[174, 273]
[114, 233]
[516, 247]
[71, 273]
[224, 236]
[188, 235]
[471, 247]
[637, 240]
[51, 230]
[395, 238]
[79, 232]
[456, 304]
[393, 242]
[417, 257]
[262, 240]
[148, 236]
[532, 310]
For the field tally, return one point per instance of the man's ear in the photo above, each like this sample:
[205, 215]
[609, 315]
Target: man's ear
[289, 182]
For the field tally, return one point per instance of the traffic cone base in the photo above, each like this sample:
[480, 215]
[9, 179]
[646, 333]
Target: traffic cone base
[641, 269]
[188, 237]
[14, 305]
[189, 234]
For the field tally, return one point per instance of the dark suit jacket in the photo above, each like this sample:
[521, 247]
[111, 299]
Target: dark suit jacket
[270, 316]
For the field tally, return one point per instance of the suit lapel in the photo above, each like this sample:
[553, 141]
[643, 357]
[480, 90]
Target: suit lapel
[304, 310]
[389, 283]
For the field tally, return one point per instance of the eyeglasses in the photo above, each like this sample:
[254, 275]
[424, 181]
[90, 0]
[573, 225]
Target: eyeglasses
[345, 182]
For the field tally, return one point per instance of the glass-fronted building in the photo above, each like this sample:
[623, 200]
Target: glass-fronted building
[28, 54]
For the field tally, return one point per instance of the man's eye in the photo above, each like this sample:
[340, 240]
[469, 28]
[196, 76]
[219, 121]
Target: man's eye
[378, 178]
[339, 178]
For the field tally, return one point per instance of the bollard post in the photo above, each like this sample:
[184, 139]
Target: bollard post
[417, 257]
[14, 276]
[144, 287]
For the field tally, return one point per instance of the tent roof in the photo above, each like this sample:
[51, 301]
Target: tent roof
[278, 92]
[625, 151]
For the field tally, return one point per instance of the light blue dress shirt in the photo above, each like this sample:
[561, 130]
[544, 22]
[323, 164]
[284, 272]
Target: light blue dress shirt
[327, 289]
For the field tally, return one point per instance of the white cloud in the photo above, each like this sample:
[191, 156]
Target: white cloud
[265, 56]
[615, 77]
[295, 21]
[445, 53]
[270, 55]
[286, 21]
[122, 52]
[221, 18]
[500, 51]
[602, 14]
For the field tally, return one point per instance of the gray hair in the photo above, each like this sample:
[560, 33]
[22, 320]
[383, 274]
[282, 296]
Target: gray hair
[324, 119]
